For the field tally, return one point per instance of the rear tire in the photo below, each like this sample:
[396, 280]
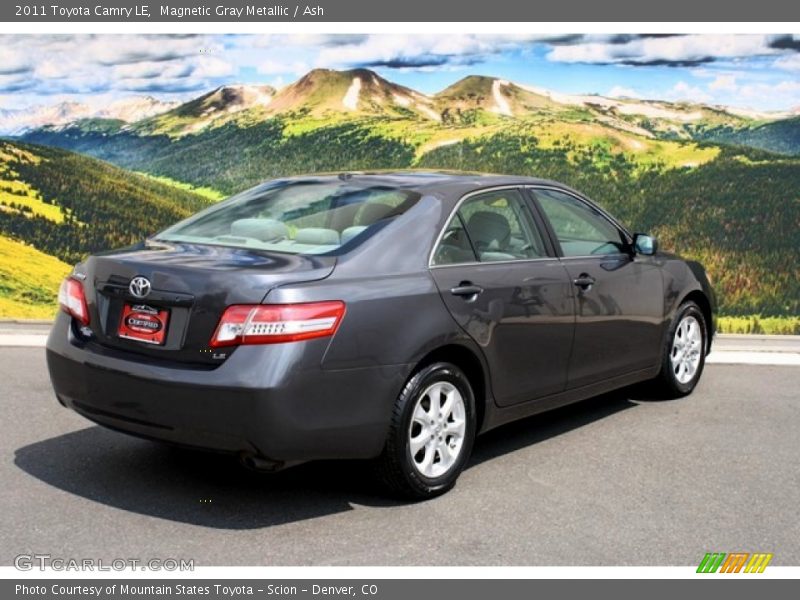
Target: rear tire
[431, 433]
[684, 354]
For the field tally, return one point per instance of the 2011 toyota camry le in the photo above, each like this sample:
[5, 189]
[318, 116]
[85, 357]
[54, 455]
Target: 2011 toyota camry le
[384, 316]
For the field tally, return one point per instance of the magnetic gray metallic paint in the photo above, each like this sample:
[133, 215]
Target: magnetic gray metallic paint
[331, 398]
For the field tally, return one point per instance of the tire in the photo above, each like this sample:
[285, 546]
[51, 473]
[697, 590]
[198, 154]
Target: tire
[684, 354]
[421, 460]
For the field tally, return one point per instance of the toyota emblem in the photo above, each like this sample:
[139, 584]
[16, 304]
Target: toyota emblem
[139, 287]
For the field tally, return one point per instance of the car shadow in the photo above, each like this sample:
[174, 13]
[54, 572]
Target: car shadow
[538, 428]
[213, 490]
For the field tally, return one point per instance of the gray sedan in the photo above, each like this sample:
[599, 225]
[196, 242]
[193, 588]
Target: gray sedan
[386, 316]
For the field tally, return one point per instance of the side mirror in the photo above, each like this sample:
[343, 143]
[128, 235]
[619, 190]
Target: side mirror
[644, 244]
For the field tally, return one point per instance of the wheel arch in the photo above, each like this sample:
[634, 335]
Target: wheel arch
[699, 298]
[470, 363]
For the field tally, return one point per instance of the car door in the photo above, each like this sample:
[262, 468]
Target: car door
[618, 295]
[502, 283]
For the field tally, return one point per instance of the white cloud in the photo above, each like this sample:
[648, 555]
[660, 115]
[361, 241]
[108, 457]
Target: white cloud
[684, 49]
[12, 62]
[619, 91]
[682, 91]
[725, 83]
[416, 52]
[788, 63]
[125, 49]
[98, 64]
[272, 66]
[323, 39]
[51, 69]
[15, 82]
[783, 89]
[152, 70]
[213, 67]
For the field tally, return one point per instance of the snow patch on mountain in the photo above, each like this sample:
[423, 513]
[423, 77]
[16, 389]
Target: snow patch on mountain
[429, 112]
[350, 100]
[501, 105]
[402, 100]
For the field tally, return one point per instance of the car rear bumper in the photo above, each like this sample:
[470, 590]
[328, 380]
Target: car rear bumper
[270, 402]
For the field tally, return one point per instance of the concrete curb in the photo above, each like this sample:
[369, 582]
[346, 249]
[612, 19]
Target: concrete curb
[781, 359]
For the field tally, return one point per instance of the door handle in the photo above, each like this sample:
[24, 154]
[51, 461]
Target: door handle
[584, 281]
[466, 290]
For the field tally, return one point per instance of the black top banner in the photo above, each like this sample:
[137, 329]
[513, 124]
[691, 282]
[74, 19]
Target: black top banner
[409, 10]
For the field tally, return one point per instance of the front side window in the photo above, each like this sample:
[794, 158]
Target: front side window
[490, 227]
[297, 217]
[581, 230]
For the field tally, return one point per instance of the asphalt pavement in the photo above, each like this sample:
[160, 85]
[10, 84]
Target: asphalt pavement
[615, 480]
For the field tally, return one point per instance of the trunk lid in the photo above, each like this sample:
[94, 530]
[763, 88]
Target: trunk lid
[190, 287]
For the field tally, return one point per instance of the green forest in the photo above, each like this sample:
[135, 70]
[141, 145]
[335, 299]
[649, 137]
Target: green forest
[81, 204]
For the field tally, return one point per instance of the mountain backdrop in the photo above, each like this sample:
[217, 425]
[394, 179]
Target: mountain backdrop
[715, 183]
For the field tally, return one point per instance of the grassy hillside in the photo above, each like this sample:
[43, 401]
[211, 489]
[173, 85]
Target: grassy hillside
[206, 192]
[231, 158]
[57, 206]
[68, 205]
[29, 281]
[778, 136]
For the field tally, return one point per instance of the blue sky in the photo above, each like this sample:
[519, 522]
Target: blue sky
[754, 71]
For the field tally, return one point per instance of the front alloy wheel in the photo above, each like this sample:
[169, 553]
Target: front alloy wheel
[687, 348]
[685, 353]
[431, 433]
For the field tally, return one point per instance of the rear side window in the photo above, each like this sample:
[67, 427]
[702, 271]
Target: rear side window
[581, 229]
[490, 227]
[299, 217]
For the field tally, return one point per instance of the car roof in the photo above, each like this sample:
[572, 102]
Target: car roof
[450, 182]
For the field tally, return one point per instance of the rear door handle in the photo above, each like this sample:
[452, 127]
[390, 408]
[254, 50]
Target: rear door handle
[466, 290]
[584, 281]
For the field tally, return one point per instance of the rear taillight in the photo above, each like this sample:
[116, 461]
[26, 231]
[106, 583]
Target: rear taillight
[73, 301]
[277, 323]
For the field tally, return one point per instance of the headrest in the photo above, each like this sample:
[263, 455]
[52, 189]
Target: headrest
[372, 212]
[489, 229]
[351, 232]
[259, 229]
[317, 235]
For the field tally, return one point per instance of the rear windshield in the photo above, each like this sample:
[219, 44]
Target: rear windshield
[298, 217]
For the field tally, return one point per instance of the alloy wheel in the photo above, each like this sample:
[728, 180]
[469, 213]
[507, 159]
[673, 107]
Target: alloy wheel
[437, 429]
[687, 349]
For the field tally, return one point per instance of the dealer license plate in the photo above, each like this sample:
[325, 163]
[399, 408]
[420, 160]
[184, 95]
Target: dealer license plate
[144, 324]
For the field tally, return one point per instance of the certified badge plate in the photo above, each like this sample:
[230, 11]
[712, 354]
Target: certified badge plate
[144, 324]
